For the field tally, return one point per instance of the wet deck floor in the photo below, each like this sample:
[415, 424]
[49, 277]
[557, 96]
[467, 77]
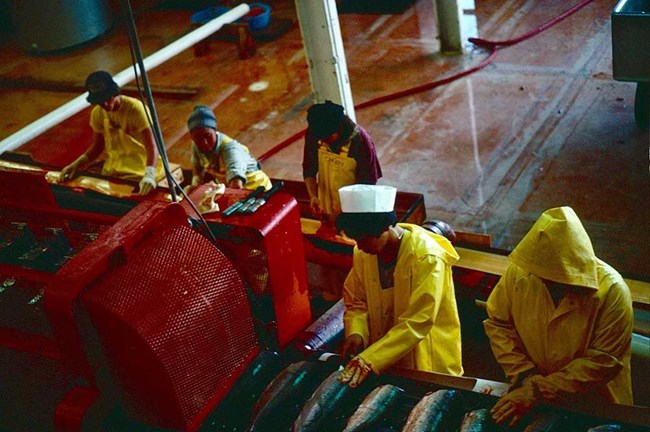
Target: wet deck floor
[543, 125]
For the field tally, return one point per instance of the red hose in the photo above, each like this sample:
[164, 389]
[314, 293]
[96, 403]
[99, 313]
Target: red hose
[486, 43]
[491, 45]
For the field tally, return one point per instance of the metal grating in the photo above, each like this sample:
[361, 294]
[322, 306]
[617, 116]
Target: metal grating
[175, 324]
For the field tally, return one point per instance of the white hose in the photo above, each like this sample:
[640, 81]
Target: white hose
[77, 104]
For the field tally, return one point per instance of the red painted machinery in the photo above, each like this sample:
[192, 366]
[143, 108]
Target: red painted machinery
[142, 311]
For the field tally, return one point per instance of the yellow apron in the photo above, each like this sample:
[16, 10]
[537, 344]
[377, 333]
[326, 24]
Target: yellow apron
[334, 172]
[126, 156]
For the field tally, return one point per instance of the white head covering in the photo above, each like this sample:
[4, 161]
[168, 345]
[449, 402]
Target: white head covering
[363, 198]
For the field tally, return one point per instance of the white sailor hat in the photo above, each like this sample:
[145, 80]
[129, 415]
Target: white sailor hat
[363, 198]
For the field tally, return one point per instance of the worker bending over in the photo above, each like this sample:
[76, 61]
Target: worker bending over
[560, 321]
[216, 155]
[400, 305]
[121, 128]
[337, 153]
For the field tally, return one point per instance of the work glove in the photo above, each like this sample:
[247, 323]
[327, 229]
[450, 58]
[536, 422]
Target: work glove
[70, 171]
[355, 372]
[148, 182]
[516, 404]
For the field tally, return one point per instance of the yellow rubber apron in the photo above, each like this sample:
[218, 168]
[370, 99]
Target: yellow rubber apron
[334, 172]
[126, 156]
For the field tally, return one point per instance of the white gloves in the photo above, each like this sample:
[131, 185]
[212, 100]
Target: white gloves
[148, 182]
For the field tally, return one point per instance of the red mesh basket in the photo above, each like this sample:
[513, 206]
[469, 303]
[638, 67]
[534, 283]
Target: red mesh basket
[175, 327]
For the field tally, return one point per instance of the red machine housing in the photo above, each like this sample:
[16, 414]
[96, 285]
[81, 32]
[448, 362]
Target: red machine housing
[141, 311]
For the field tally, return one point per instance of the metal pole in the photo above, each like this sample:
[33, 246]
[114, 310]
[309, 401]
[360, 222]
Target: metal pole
[449, 23]
[328, 70]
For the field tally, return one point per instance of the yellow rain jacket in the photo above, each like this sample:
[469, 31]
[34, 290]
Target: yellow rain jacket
[126, 156]
[415, 324]
[581, 348]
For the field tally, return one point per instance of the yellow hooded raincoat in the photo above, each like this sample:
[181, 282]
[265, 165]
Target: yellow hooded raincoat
[415, 324]
[581, 348]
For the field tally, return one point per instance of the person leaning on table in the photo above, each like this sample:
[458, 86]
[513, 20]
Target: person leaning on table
[560, 321]
[400, 304]
[120, 128]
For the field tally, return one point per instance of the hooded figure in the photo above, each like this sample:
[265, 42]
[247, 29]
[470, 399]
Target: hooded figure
[399, 296]
[560, 321]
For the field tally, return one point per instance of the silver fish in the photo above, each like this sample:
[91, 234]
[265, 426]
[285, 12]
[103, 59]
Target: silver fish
[476, 421]
[436, 411]
[606, 428]
[374, 407]
[283, 398]
[545, 421]
[330, 405]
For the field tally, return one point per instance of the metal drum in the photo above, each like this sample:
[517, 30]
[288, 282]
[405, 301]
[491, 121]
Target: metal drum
[43, 26]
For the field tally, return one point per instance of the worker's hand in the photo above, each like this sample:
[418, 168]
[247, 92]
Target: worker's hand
[516, 404]
[352, 346]
[148, 182]
[314, 203]
[70, 171]
[236, 183]
[355, 372]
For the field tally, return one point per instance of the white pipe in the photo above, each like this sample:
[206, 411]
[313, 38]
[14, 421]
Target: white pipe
[77, 104]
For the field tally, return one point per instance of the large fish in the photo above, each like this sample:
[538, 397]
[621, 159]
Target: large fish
[478, 420]
[437, 411]
[606, 428]
[282, 400]
[372, 411]
[330, 405]
[547, 421]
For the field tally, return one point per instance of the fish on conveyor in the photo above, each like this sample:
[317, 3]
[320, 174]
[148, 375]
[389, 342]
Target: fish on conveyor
[479, 420]
[606, 428]
[546, 421]
[282, 400]
[330, 405]
[437, 411]
[372, 411]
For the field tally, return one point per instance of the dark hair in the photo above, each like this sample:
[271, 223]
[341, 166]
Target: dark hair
[101, 87]
[357, 225]
[324, 118]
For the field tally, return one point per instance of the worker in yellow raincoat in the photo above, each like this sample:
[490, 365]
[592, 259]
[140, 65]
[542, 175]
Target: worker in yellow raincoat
[560, 321]
[121, 128]
[399, 296]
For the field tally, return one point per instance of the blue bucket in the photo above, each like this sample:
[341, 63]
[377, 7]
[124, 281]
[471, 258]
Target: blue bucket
[257, 18]
[205, 15]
